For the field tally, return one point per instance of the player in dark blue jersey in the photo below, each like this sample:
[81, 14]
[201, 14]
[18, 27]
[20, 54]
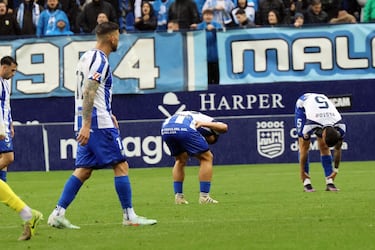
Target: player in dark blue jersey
[188, 133]
[316, 114]
[99, 142]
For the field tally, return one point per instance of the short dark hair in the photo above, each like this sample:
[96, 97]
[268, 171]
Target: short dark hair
[8, 60]
[332, 136]
[105, 28]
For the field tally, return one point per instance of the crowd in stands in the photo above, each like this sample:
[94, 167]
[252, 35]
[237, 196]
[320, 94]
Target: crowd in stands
[68, 17]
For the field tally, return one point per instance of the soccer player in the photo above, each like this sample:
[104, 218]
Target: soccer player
[188, 133]
[316, 114]
[7, 71]
[30, 216]
[99, 142]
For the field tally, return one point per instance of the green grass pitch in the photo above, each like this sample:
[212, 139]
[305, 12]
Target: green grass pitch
[261, 207]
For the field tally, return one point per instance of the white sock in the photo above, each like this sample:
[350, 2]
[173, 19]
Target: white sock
[202, 194]
[59, 211]
[329, 181]
[306, 181]
[129, 213]
[26, 213]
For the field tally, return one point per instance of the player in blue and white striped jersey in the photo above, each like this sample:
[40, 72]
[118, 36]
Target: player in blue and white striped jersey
[188, 133]
[8, 70]
[99, 142]
[316, 114]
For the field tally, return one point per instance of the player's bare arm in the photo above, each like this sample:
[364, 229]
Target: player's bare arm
[115, 122]
[220, 127]
[87, 107]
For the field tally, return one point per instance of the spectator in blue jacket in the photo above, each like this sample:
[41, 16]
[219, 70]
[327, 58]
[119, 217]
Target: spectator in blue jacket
[47, 23]
[212, 55]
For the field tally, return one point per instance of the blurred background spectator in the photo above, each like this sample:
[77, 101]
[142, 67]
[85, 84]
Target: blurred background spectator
[248, 8]
[243, 20]
[148, 20]
[369, 11]
[48, 18]
[222, 10]
[27, 14]
[87, 19]
[315, 14]
[185, 12]
[261, 16]
[8, 23]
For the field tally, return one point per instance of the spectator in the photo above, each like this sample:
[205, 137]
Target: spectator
[273, 18]
[87, 19]
[298, 20]
[48, 19]
[352, 7]
[28, 14]
[261, 16]
[222, 10]
[8, 23]
[61, 30]
[248, 8]
[331, 7]
[315, 14]
[173, 26]
[126, 19]
[362, 4]
[243, 20]
[148, 20]
[343, 17]
[161, 9]
[251, 2]
[200, 4]
[185, 12]
[211, 26]
[369, 11]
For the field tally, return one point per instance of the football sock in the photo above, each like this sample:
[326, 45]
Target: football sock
[9, 198]
[205, 186]
[327, 164]
[177, 186]
[3, 175]
[124, 191]
[26, 213]
[71, 188]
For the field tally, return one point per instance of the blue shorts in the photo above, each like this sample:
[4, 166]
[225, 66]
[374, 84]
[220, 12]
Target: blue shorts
[104, 149]
[299, 120]
[183, 139]
[6, 145]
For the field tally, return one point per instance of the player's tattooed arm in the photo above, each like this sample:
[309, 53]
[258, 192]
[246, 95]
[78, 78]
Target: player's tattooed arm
[88, 101]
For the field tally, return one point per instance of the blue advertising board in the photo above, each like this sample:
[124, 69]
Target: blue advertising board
[260, 119]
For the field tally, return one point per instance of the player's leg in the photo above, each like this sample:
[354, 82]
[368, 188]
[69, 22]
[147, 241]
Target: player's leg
[6, 159]
[124, 193]
[178, 173]
[205, 177]
[72, 186]
[30, 216]
[326, 160]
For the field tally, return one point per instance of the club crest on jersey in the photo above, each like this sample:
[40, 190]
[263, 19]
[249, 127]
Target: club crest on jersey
[270, 138]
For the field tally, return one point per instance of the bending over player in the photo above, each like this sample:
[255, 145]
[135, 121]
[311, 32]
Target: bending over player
[316, 114]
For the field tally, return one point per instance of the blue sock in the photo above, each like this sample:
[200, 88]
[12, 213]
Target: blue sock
[327, 164]
[3, 175]
[177, 186]
[71, 188]
[205, 186]
[124, 191]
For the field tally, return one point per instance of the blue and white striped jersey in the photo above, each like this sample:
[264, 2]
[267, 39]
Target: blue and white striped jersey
[5, 114]
[94, 65]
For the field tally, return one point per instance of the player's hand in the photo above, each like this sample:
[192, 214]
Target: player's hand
[304, 176]
[83, 136]
[115, 122]
[333, 175]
